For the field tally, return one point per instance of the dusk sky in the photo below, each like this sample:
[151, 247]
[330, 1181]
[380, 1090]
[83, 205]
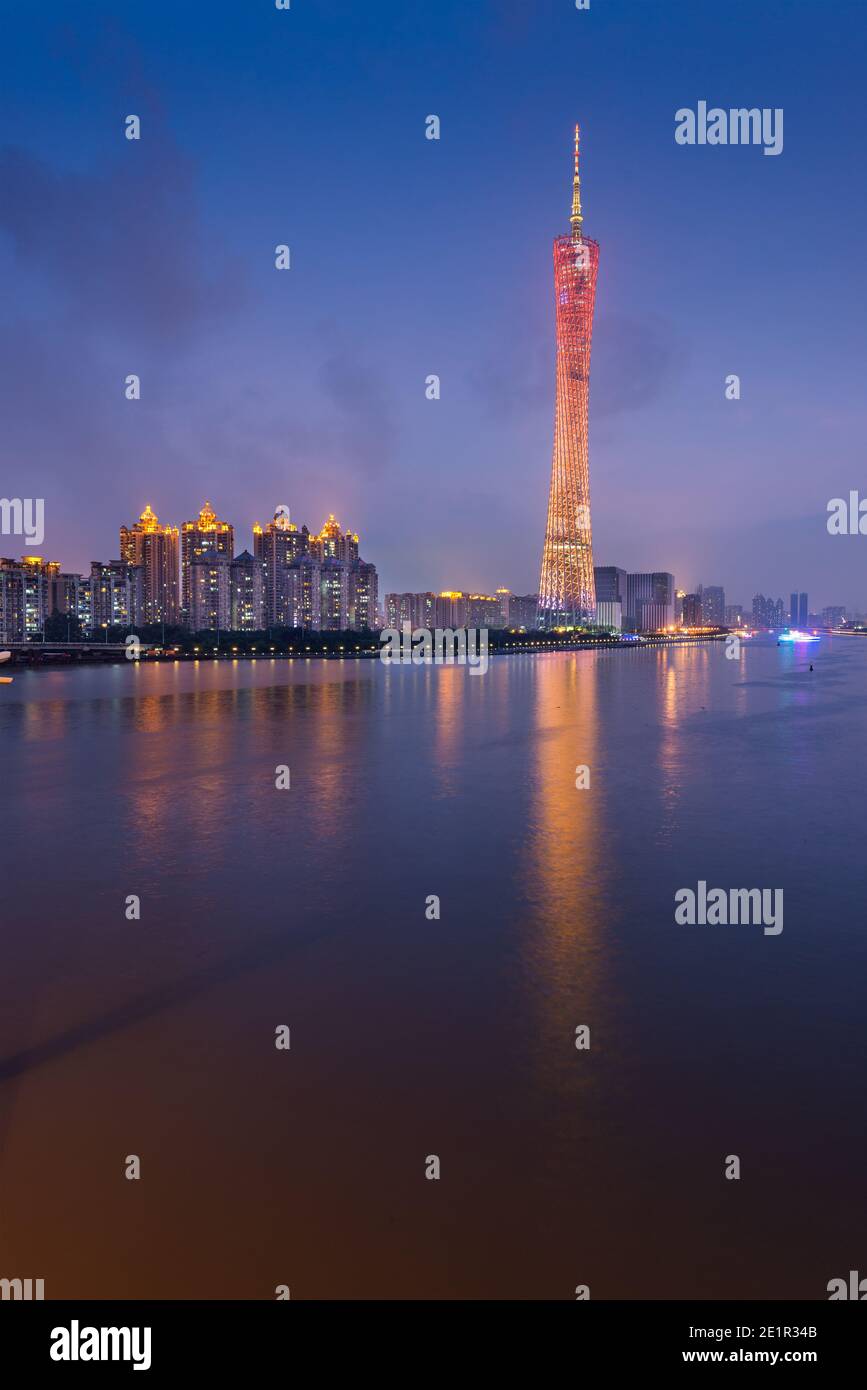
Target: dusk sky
[412, 257]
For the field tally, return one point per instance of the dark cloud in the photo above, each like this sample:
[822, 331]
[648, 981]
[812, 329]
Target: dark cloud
[360, 414]
[633, 359]
[520, 378]
[122, 247]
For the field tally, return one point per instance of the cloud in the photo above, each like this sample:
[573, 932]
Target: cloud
[632, 361]
[122, 247]
[360, 417]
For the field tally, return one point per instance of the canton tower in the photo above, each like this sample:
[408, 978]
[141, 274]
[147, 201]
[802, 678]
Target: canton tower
[567, 593]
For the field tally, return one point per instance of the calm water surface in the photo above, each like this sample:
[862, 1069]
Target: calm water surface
[409, 1037]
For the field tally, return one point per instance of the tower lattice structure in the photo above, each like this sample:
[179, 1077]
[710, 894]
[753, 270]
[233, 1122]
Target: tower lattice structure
[567, 593]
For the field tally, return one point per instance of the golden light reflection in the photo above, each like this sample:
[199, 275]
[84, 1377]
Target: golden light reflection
[567, 869]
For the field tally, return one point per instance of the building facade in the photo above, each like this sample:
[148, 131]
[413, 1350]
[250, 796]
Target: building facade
[279, 545]
[210, 592]
[609, 614]
[246, 593]
[768, 613]
[649, 600]
[523, 611]
[450, 609]
[692, 611]
[484, 611]
[154, 549]
[207, 532]
[713, 603]
[799, 610]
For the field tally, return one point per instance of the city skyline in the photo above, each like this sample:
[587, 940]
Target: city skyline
[314, 377]
[191, 576]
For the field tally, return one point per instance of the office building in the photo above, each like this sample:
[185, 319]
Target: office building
[609, 614]
[650, 600]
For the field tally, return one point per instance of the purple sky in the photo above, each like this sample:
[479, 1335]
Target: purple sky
[412, 257]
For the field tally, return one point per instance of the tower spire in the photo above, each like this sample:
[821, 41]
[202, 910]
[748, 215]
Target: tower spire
[576, 219]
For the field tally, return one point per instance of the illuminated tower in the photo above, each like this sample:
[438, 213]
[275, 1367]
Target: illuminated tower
[567, 595]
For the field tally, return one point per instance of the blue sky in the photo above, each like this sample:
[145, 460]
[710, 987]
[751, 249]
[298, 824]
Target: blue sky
[412, 257]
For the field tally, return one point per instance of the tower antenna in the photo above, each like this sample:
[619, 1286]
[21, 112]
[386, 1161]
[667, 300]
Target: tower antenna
[576, 219]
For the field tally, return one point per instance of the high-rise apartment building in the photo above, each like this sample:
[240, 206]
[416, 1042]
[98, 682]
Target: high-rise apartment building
[399, 610]
[523, 611]
[693, 611]
[207, 532]
[713, 603]
[107, 597]
[419, 610]
[834, 616]
[279, 545]
[25, 589]
[155, 550]
[247, 593]
[768, 613]
[210, 591]
[450, 609]
[334, 544]
[484, 611]
[333, 595]
[305, 594]
[363, 596]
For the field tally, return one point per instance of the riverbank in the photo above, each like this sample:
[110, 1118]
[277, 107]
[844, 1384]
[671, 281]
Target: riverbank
[336, 646]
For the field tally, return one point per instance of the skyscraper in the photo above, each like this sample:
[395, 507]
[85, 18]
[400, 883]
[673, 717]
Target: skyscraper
[155, 549]
[713, 603]
[24, 593]
[205, 533]
[278, 546]
[210, 591]
[610, 585]
[567, 596]
[650, 600]
[247, 593]
[363, 595]
[693, 614]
